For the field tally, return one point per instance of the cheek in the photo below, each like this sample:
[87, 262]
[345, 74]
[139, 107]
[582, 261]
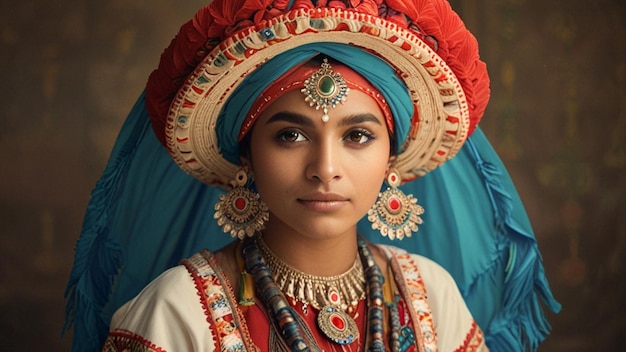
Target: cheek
[271, 172]
[262, 160]
[372, 174]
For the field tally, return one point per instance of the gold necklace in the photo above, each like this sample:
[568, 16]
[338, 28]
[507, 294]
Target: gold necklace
[343, 291]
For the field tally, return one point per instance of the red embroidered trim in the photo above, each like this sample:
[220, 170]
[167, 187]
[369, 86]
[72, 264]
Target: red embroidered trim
[123, 340]
[224, 317]
[201, 287]
[474, 340]
[413, 288]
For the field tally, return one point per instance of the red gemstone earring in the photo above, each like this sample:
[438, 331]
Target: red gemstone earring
[395, 214]
[241, 211]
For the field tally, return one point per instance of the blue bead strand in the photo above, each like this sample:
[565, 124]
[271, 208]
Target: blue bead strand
[274, 299]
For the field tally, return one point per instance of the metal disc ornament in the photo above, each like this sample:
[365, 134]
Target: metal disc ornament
[337, 325]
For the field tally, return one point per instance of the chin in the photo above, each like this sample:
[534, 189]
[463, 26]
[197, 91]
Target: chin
[328, 231]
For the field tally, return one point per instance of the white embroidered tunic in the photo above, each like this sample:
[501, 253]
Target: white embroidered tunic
[191, 307]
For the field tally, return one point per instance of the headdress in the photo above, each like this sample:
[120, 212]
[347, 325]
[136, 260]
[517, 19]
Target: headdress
[194, 97]
[144, 214]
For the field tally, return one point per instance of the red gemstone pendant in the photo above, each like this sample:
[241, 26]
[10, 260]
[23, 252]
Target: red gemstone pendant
[338, 322]
[337, 325]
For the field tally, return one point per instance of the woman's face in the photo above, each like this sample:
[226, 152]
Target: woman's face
[319, 179]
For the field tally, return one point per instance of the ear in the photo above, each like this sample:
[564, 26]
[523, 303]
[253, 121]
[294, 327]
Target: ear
[391, 162]
[246, 163]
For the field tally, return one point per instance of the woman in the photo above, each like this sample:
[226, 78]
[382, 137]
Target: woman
[346, 96]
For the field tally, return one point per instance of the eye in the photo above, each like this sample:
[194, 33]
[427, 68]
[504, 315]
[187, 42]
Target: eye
[291, 136]
[359, 136]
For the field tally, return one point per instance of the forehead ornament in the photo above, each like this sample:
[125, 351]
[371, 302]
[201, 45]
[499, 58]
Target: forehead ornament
[325, 88]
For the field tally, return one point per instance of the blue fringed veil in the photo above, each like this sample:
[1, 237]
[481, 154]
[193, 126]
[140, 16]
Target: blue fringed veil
[145, 215]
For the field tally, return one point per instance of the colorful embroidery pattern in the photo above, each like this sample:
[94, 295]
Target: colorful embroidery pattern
[407, 338]
[474, 341]
[419, 301]
[216, 306]
[122, 340]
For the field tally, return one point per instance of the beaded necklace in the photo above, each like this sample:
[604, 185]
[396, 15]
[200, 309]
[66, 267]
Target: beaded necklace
[287, 322]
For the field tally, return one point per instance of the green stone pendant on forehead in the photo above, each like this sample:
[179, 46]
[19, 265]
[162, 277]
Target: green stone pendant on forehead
[325, 88]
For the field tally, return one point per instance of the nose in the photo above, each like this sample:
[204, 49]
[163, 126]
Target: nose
[324, 163]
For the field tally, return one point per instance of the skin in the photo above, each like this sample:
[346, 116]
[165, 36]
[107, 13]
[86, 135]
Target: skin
[318, 180]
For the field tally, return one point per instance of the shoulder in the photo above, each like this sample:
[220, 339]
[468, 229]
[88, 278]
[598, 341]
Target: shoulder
[170, 286]
[170, 283]
[165, 293]
[411, 264]
[167, 313]
[453, 323]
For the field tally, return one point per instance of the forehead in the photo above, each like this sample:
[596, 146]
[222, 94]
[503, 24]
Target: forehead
[356, 103]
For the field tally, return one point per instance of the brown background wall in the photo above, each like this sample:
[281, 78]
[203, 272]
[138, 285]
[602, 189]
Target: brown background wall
[70, 71]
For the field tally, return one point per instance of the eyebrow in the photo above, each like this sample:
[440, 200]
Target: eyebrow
[359, 118]
[302, 120]
[291, 117]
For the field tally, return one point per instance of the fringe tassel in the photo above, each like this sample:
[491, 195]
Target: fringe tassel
[522, 317]
[98, 259]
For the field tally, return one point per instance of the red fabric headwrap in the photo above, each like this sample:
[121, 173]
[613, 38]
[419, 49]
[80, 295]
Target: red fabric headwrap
[294, 79]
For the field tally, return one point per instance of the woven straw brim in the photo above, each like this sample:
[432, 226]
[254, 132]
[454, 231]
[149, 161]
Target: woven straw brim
[439, 124]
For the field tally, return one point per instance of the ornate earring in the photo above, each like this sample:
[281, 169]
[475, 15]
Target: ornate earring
[241, 211]
[395, 214]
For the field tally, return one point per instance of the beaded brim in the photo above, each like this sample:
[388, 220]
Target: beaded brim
[439, 125]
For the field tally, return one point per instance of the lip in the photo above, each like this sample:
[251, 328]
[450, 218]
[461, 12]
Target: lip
[323, 202]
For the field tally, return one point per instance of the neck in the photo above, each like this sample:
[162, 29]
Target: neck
[312, 255]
